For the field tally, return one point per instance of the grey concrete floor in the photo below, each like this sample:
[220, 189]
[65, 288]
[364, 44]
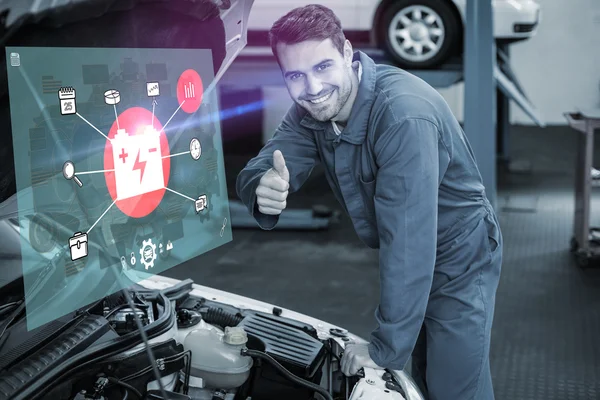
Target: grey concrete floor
[547, 313]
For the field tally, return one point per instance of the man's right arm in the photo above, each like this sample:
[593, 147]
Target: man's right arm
[299, 149]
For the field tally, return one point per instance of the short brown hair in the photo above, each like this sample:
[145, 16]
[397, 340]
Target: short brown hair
[311, 22]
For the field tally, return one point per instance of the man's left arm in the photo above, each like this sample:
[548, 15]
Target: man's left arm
[406, 206]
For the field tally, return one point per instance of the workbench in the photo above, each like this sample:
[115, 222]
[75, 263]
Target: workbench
[585, 243]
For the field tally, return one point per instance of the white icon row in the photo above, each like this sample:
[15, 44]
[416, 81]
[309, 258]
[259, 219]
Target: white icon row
[78, 245]
[67, 94]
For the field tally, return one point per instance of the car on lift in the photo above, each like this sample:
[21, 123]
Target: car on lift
[416, 34]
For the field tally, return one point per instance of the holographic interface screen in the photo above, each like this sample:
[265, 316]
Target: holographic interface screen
[119, 162]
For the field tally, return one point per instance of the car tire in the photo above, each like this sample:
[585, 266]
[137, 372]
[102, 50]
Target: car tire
[421, 22]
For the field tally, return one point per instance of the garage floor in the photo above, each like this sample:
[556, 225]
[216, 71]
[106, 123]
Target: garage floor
[547, 324]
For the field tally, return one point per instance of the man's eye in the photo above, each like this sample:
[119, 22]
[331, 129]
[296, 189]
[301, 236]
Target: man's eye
[294, 77]
[322, 67]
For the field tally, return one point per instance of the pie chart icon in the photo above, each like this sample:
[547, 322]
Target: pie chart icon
[112, 97]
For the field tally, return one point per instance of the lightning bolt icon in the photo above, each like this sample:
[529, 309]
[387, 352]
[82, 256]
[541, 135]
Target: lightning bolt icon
[141, 165]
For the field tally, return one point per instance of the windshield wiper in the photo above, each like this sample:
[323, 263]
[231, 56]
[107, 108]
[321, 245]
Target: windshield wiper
[6, 308]
[11, 318]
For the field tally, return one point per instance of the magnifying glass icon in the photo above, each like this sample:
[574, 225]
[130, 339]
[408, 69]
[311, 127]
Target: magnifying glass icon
[69, 172]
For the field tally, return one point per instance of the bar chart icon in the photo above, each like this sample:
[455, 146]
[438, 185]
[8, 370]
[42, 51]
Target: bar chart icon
[190, 90]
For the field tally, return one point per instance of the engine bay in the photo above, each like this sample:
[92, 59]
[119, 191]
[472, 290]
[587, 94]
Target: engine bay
[200, 348]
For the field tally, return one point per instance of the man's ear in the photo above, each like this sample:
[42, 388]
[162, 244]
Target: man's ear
[348, 52]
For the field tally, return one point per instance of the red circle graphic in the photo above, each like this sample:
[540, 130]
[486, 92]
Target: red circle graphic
[190, 90]
[134, 164]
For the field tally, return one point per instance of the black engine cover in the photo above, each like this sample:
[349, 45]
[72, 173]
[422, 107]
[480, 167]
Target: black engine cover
[293, 345]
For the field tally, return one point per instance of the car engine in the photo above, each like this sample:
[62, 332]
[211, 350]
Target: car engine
[201, 349]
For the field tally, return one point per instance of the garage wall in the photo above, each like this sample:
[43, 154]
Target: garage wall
[559, 68]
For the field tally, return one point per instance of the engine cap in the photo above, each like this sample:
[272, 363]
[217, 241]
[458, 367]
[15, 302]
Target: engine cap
[235, 335]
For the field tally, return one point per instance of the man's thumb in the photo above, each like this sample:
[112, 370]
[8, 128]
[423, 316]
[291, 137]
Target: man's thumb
[279, 165]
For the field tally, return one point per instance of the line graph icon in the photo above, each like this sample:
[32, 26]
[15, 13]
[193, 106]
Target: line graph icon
[152, 89]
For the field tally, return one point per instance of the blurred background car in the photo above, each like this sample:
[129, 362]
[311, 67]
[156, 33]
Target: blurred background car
[414, 33]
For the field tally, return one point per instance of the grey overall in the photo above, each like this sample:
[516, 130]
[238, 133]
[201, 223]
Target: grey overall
[403, 170]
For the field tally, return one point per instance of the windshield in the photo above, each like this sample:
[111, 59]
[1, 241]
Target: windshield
[118, 163]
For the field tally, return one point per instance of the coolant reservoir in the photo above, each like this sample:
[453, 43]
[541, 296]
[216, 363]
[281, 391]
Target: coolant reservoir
[216, 357]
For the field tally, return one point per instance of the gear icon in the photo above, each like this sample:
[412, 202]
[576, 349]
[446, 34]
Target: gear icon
[148, 253]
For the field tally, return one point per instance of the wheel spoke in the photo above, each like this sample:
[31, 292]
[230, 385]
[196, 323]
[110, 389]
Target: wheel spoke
[405, 20]
[418, 48]
[407, 44]
[403, 33]
[436, 32]
[430, 45]
[430, 19]
[417, 15]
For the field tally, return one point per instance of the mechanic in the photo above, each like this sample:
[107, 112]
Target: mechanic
[400, 165]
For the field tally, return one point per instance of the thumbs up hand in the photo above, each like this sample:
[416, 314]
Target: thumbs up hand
[272, 190]
[279, 166]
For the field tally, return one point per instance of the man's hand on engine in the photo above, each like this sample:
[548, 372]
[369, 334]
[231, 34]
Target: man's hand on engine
[356, 356]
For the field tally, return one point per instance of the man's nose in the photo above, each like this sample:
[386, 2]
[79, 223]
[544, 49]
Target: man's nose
[313, 85]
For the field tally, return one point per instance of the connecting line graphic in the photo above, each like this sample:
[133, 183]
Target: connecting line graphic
[179, 194]
[103, 214]
[116, 116]
[153, 104]
[165, 127]
[94, 172]
[92, 125]
[171, 190]
[177, 154]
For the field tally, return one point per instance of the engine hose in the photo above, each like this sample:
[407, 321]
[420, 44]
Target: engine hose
[221, 317]
[286, 373]
[125, 385]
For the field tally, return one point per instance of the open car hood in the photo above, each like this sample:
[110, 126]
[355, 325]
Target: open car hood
[233, 13]
[16, 229]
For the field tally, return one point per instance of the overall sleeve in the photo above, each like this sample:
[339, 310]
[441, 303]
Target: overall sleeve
[299, 149]
[406, 206]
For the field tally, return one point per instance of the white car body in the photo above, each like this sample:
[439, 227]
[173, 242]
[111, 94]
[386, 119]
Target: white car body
[371, 386]
[360, 15]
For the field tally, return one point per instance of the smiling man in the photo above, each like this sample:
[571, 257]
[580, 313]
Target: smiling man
[402, 168]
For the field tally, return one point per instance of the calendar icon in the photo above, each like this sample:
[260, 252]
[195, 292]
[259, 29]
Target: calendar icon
[66, 95]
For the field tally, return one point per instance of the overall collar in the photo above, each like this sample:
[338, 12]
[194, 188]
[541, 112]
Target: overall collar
[356, 127]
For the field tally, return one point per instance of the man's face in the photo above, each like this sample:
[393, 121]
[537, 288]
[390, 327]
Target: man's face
[317, 75]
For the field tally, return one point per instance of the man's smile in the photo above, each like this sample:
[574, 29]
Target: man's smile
[321, 99]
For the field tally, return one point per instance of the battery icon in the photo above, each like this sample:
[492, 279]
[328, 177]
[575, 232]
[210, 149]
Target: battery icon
[15, 59]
